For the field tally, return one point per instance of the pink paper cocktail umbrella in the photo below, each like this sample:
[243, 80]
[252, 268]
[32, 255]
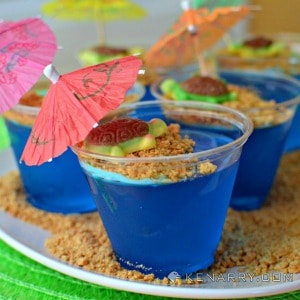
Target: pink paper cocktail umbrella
[26, 47]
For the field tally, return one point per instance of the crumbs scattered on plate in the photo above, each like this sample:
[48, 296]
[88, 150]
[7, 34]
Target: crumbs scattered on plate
[261, 241]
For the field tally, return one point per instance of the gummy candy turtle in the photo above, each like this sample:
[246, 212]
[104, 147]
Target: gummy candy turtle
[122, 136]
[198, 88]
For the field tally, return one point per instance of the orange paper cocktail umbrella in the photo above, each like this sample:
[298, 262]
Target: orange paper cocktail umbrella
[195, 31]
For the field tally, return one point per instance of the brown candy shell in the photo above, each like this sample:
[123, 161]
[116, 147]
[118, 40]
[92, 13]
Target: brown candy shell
[204, 85]
[258, 42]
[117, 131]
[105, 50]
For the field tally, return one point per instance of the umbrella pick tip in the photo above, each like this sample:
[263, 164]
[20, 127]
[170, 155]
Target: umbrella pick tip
[51, 73]
[185, 4]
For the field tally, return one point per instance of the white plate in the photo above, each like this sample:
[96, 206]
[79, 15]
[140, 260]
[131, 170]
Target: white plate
[29, 240]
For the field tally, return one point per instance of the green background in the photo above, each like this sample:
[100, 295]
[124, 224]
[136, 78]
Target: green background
[23, 279]
[4, 140]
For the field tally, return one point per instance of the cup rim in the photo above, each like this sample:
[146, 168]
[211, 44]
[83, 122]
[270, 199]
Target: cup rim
[244, 121]
[288, 38]
[30, 110]
[34, 110]
[284, 36]
[141, 91]
[245, 73]
[291, 59]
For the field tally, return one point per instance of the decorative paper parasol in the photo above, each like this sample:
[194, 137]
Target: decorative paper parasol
[75, 103]
[26, 47]
[195, 31]
[98, 10]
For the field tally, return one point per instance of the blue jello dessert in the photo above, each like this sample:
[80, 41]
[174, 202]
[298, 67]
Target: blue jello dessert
[270, 100]
[271, 53]
[257, 53]
[58, 186]
[293, 139]
[264, 149]
[163, 194]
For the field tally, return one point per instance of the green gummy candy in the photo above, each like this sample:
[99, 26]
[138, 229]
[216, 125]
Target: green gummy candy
[168, 85]
[179, 94]
[136, 144]
[248, 52]
[106, 150]
[157, 127]
[139, 143]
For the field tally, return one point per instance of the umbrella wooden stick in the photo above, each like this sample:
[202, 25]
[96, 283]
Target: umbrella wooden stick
[192, 29]
[101, 32]
[100, 26]
[204, 70]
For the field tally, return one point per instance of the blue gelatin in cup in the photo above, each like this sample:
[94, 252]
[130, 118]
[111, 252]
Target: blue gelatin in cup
[271, 137]
[258, 166]
[163, 223]
[262, 152]
[58, 186]
[165, 242]
[173, 226]
[293, 139]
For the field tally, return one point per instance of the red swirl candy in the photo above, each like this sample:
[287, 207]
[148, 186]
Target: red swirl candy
[117, 131]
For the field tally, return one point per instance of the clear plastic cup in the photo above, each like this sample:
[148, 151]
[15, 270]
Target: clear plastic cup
[286, 63]
[262, 153]
[58, 186]
[161, 224]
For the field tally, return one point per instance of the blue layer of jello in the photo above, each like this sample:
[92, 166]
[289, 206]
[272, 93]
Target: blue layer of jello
[158, 226]
[58, 186]
[258, 166]
[293, 139]
[264, 148]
